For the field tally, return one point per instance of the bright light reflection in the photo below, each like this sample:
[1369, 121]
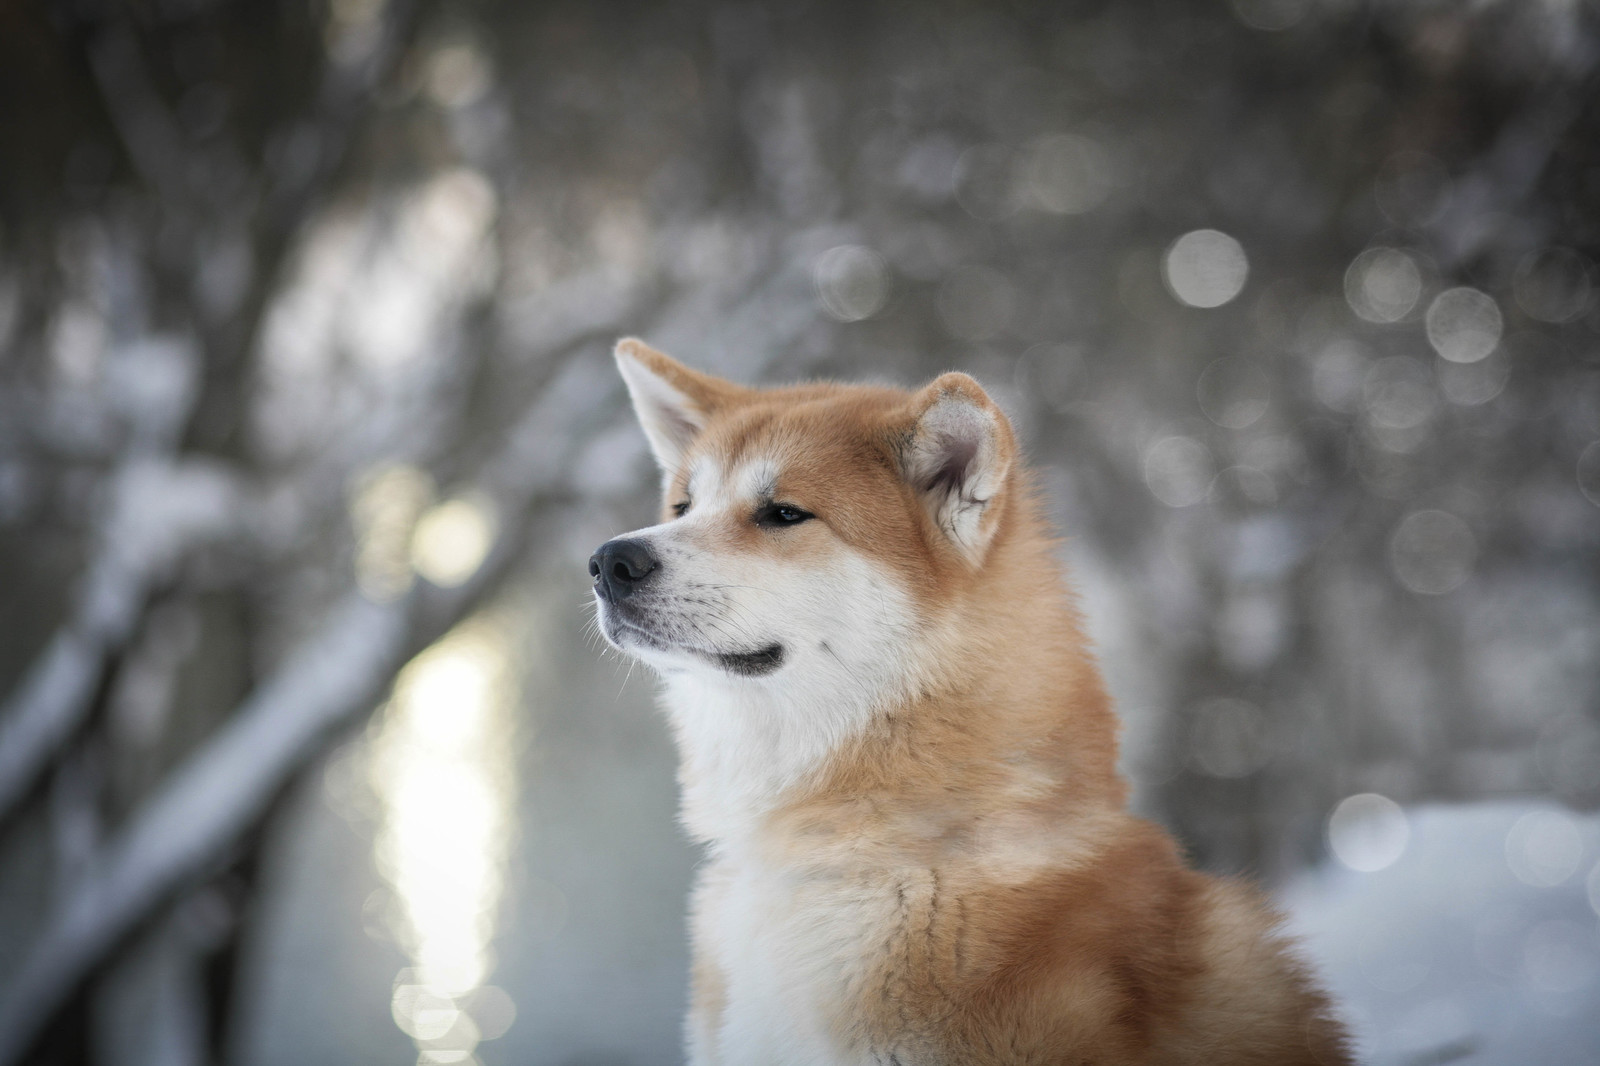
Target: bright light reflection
[1368, 832]
[1382, 284]
[452, 539]
[442, 770]
[458, 75]
[1544, 848]
[1067, 174]
[852, 282]
[384, 504]
[1464, 325]
[1589, 472]
[1178, 471]
[1432, 552]
[1205, 268]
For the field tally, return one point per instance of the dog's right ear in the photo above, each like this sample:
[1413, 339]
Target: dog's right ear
[673, 403]
[959, 454]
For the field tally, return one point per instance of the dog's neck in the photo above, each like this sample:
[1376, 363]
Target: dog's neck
[746, 746]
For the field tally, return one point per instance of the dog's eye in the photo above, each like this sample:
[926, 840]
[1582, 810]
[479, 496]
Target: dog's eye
[781, 514]
[680, 508]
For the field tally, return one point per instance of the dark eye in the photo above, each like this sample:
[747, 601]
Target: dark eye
[680, 508]
[781, 514]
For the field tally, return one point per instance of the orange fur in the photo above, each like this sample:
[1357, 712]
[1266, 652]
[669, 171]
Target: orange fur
[1030, 918]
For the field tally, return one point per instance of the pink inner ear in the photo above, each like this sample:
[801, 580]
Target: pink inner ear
[955, 459]
[673, 423]
[952, 434]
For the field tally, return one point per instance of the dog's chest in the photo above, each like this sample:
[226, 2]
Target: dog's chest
[803, 961]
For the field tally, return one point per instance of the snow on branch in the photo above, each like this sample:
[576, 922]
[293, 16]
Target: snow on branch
[160, 511]
[226, 786]
[204, 806]
[140, 541]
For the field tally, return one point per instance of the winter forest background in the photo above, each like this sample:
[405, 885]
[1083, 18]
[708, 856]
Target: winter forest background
[308, 424]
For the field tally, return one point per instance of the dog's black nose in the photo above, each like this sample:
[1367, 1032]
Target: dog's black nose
[620, 566]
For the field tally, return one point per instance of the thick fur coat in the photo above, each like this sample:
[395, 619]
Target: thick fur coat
[899, 753]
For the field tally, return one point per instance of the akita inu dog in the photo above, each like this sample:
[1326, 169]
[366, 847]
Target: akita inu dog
[898, 751]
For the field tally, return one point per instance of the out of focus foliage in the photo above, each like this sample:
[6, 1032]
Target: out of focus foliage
[1293, 301]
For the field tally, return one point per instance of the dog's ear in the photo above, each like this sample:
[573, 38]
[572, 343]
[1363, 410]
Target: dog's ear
[959, 455]
[673, 402]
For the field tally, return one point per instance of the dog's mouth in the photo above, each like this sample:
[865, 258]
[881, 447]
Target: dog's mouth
[758, 663]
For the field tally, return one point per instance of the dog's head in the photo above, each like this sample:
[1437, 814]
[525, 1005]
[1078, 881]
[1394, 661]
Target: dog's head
[808, 533]
[822, 554]
[849, 587]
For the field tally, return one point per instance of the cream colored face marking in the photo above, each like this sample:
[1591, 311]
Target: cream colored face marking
[705, 476]
[712, 493]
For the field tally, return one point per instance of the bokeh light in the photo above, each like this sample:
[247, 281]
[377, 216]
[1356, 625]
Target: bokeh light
[1205, 268]
[385, 504]
[1432, 552]
[1554, 285]
[1464, 324]
[1066, 174]
[1589, 472]
[452, 539]
[442, 770]
[1337, 374]
[986, 182]
[1368, 832]
[1179, 470]
[852, 282]
[1382, 285]
[1544, 848]
[458, 75]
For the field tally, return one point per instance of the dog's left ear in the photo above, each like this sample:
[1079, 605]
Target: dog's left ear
[959, 456]
[673, 403]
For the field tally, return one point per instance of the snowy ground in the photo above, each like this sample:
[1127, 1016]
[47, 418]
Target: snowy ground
[1480, 944]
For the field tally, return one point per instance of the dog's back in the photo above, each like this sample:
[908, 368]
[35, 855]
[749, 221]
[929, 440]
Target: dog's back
[898, 749]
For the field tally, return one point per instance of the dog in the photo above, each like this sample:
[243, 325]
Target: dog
[899, 754]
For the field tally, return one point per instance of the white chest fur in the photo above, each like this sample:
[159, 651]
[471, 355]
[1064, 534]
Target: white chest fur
[793, 954]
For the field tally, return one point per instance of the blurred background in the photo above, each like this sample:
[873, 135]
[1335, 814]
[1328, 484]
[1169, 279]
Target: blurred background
[308, 425]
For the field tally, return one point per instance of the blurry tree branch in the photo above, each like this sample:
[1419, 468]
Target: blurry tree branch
[140, 541]
[223, 789]
[56, 693]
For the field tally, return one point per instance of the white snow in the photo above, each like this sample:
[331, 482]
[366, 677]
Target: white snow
[1448, 955]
